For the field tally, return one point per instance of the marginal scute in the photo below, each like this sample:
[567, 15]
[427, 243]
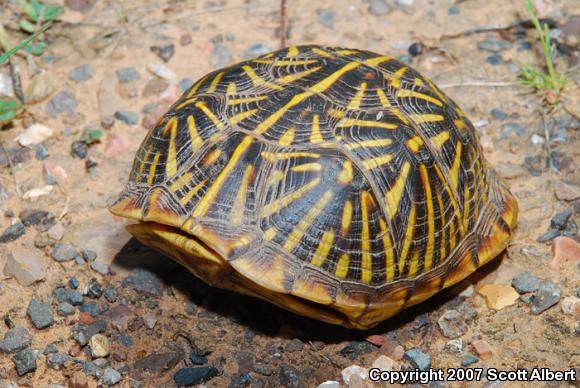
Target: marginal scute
[337, 183]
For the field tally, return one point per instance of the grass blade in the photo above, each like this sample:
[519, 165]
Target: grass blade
[25, 42]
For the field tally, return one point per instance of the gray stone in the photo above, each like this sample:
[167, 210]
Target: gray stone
[41, 152]
[194, 376]
[82, 73]
[15, 339]
[525, 282]
[454, 10]
[379, 7]
[68, 295]
[110, 377]
[40, 313]
[560, 220]
[25, 361]
[549, 236]
[418, 359]
[548, 295]
[185, 84]
[83, 333]
[257, 50]
[13, 232]
[164, 52]
[92, 369]
[57, 361]
[65, 309]
[25, 265]
[289, 376]
[63, 102]
[494, 45]
[101, 268]
[468, 359]
[110, 293]
[326, 17]
[454, 345]
[127, 75]
[451, 324]
[494, 59]
[65, 252]
[498, 114]
[128, 117]
[144, 282]
[295, 345]
[221, 55]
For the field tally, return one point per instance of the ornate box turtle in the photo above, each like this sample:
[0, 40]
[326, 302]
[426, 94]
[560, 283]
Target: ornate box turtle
[339, 184]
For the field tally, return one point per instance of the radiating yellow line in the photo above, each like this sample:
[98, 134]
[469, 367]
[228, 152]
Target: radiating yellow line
[408, 237]
[152, 169]
[440, 138]
[307, 167]
[292, 51]
[366, 258]
[296, 76]
[378, 60]
[181, 181]
[415, 143]
[460, 124]
[270, 234]
[369, 143]
[394, 195]
[285, 62]
[245, 100]
[321, 253]
[188, 101]
[204, 204]
[450, 194]
[211, 157]
[142, 165]
[288, 199]
[217, 122]
[317, 88]
[422, 96]
[242, 116]
[196, 140]
[342, 266]
[306, 222]
[346, 52]
[413, 264]
[383, 98]
[187, 197]
[426, 118]
[171, 163]
[346, 219]
[365, 123]
[258, 81]
[273, 156]
[430, 250]
[196, 86]
[389, 253]
[288, 137]
[454, 171]
[215, 82]
[377, 162]
[239, 205]
[232, 88]
[322, 53]
[346, 173]
[357, 99]
[396, 77]
[316, 136]
[442, 238]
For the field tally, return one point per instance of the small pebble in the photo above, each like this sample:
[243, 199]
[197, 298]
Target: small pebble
[482, 349]
[498, 114]
[64, 252]
[25, 265]
[110, 293]
[68, 295]
[40, 313]
[454, 345]
[82, 73]
[379, 7]
[525, 282]
[150, 320]
[326, 17]
[549, 236]
[494, 59]
[93, 289]
[110, 377]
[13, 232]
[63, 102]
[15, 339]
[128, 117]
[185, 84]
[350, 372]
[164, 52]
[185, 40]
[454, 10]
[257, 50]
[289, 376]
[57, 361]
[65, 309]
[33, 135]
[494, 45]
[295, 345]
[161, 71]
[127, 75]
[415, 49]
[56, 232]
[100, 346]
[498, 296]
[451, 324]
[329, 384]
[567, 190]
[571, 305]
[25, 361]
[384, 363]
[565, 252]
[548, 295]
[418, 359]
[187, 377]
[468, 359]
[101, 268]
[560, 220]
[73, 283]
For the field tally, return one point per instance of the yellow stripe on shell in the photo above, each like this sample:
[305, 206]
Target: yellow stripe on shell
[242, 116]
[440, 139]
[378, 60]
[389, 253]
[415, 143]
[346, 173]
[285, 62]
[394, 195]
[346, 219]
[187, 197]
[377, 161]
[430, 250]
[408, 237]
[316, 136]
[258, 81]
[171, 163]
[214, 119]
[296, 76]
[214, 83]
[273, 156]
[152, 169]
[196, 140]
[426, 118]
[245, 100]
[288, 137]
[307, 167]
[369, 143]
[357, 99]
[366, 258]
[239, 205]
[365, 123]
[421, 96]
[342, 266]
[180, 182]
[288, 199]
[321, 253]
[454, 171]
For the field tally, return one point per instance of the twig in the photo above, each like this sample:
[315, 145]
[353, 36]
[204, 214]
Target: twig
[478, 84]
[282, 24]
[66, 202]
[12, 169]
[527, 23]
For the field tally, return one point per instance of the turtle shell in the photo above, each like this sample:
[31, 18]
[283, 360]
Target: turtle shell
[337, 183]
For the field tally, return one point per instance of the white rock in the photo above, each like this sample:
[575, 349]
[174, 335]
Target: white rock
[537, 139]
[354, 370]
[161, 71]
[100, 346]
[32, 194]
[33, 135]
[468, 292]
[150, 320]
[329, 384]
[25, 265]
[6, 89]
[570, 305]
[384, 363]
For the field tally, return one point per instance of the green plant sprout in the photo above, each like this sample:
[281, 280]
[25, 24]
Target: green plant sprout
[538, 78]
[36, 14]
